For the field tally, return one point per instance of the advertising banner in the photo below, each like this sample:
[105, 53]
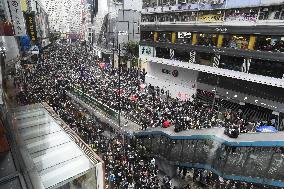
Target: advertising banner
[211, 18]
[31, 26]
[17, 17]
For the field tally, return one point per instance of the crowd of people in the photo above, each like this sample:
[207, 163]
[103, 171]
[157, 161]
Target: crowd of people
[146, 105]
[128, 164]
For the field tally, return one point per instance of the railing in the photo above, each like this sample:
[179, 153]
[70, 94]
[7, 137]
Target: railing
[262, 165]
[92, 101]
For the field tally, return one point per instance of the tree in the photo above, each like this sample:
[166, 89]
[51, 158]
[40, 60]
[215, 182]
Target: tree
[131, 52]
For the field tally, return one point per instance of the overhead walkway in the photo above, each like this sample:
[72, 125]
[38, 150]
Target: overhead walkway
[252, 157]
[54, 155]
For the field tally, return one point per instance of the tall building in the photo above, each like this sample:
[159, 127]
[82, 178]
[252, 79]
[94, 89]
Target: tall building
[117, 22]
[229, 50]
[65, 16]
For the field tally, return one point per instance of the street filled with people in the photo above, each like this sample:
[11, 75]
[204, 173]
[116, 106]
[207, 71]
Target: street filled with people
[128, 164]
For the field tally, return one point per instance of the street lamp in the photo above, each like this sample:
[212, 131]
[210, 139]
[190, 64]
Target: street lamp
[119, 49]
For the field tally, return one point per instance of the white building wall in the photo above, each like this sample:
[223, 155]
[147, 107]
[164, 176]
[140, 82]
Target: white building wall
[183, 86]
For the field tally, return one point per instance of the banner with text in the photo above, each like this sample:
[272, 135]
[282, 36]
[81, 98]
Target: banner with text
[31, 26]
[17, 17]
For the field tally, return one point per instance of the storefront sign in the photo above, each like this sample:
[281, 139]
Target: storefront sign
[31, 26]
[184, 35]
[211, 18]
[17, 17]
[221, 29]
[146, 51]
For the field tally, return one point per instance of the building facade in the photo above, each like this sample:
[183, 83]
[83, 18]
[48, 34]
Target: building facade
[65, 16]
[230, 49]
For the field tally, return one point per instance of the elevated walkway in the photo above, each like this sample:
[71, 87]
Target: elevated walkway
[252, 157]
[55, 156]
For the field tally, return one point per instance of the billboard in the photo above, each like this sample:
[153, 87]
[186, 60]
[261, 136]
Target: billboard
[17, 17]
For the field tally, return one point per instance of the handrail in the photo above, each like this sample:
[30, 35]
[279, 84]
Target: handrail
[111, 112]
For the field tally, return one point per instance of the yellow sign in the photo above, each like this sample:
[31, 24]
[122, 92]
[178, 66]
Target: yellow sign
[211, 18]
[24, 5]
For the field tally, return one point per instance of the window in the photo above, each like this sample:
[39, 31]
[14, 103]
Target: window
[270, 43]
[236, 41]
[207, 40]
[267, 68]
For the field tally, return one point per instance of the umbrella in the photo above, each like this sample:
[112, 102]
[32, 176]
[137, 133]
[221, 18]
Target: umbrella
[266, 129]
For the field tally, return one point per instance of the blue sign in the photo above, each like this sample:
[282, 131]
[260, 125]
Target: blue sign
[25, 42]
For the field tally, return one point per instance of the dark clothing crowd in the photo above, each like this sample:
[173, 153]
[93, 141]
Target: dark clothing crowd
[128, 164]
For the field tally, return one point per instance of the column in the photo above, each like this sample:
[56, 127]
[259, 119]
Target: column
[216, 60]
[220, 40]
[174, 36]
[252, 41]
[172, 54]
[192, 58]
[194, 39]
[155, 36]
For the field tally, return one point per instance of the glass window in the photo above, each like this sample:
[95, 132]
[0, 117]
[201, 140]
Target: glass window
[231, 63]
[169, 2]
[267, 68]
[204, 59]
[241, 15]
[271, 13]
[270, 43]
[182, 55]
[148, 18]
[149, 3]
[147, 36]
[164, 37]
[236, 41]
[208, 40]
[163, 53]
[187, 16]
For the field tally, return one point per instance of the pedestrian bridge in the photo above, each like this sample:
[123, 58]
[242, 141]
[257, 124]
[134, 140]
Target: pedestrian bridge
[252, 157]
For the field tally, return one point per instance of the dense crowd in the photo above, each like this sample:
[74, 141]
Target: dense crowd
[146, 105]
[128, 164]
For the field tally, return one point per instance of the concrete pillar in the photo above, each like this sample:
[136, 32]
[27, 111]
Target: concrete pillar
[155, 36]
[252, 41]
[220, 40]
[216, 60]
[192, 58]
[174, 36]
[194, 39]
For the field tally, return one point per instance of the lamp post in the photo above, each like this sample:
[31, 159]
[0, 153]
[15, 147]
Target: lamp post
[215, 94]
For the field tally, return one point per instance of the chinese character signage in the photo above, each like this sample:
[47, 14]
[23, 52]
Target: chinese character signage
[17, 17]
[31, 26]
[211, 18]
[146, 51]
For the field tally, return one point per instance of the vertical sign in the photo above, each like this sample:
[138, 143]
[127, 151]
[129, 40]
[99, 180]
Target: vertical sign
[24, 5]
[17, 17]
[31, 26]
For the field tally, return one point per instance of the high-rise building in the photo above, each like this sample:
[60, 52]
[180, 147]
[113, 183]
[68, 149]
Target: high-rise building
[64, 15]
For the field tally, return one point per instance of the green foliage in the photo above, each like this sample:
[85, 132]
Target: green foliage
[132, 50]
